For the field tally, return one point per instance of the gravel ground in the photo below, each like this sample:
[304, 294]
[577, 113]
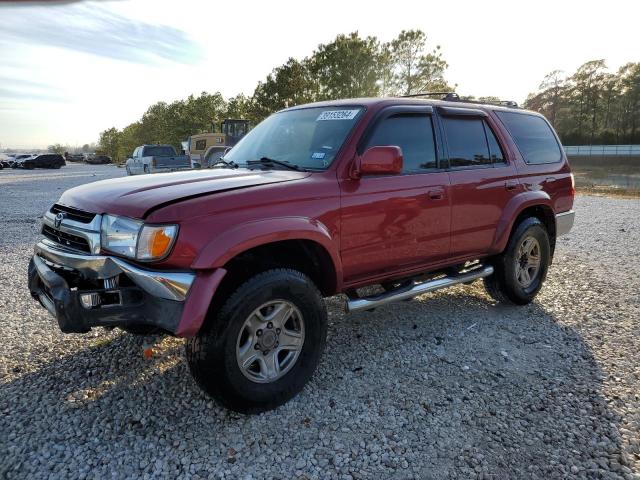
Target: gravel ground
[448, 385]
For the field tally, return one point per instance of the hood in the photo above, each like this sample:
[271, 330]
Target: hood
[136, 196]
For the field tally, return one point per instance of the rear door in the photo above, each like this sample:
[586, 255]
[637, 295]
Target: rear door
[396, 222]
[483, 180]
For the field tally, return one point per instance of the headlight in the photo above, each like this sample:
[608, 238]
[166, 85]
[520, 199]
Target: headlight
[132, 238]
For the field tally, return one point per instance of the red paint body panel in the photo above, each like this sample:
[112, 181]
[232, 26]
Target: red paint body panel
[392, 223]
[136, 196]
[197, 303]
[374, 228]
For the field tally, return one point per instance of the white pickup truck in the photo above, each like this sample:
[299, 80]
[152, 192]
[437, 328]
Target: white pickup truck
[156, 158]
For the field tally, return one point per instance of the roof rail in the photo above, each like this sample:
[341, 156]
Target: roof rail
[454, 97]
[431, 94]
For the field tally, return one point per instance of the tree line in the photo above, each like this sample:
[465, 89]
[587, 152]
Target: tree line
[592, 106]
[349, 66]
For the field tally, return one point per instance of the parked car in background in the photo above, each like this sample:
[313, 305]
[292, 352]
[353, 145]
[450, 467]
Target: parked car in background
[155, 159]
[98, 159]
[45, 160]
[15, 159]
[74, 157]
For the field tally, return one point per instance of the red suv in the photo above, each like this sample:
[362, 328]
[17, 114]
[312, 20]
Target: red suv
[414, 195]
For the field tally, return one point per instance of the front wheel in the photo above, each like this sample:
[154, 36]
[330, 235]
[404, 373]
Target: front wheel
[522, 268]
[263, 345]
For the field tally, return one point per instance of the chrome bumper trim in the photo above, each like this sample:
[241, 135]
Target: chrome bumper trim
[168, 285]
[564, 222]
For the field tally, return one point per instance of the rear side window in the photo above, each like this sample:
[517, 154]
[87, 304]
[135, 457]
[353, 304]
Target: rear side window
[159, 151]
[467, 142]
[413, 133]
[533, 136]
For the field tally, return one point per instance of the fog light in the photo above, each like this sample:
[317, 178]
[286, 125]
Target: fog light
[90, 300]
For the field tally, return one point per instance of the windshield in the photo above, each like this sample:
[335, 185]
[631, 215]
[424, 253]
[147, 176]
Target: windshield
[309, 138]
[159, 151]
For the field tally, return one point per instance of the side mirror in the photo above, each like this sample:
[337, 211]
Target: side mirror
[385, 160]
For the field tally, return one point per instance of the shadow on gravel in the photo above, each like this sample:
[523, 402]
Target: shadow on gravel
[450, 386]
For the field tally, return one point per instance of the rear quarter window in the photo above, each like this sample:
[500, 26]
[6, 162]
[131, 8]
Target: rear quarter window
[533, 137]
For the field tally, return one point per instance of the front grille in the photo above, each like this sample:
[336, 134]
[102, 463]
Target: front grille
[66, 239]
[73, 213]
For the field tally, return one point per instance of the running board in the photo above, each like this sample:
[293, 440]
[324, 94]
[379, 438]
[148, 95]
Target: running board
[410, 291]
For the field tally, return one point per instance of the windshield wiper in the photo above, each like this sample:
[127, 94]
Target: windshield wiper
[272, 161]
[222, 161]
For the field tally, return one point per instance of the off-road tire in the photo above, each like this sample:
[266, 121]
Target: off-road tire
[211, 355]
[503, 285]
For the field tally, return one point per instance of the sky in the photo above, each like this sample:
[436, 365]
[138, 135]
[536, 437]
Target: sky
[71, 69]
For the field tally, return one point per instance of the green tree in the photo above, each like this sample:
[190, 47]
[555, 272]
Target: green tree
[629, 102]
[346, 67]
[240, 107]
[130, 138]
[591, 105]
[109, 142]
[416, 70]
[288, 85]
[387, 72]
[57, 148]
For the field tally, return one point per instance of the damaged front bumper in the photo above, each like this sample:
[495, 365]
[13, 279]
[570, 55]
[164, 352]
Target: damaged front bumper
[85, 291]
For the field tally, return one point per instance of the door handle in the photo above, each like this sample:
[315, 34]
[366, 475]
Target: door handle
[436, 194]
[550, 179]
[510, 185]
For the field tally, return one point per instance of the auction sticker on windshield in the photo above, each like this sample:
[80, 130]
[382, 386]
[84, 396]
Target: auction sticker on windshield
[337, 115]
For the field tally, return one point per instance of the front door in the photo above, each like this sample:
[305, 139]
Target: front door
[397, 222]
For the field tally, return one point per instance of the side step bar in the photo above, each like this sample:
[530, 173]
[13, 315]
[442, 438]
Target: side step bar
[403, 293]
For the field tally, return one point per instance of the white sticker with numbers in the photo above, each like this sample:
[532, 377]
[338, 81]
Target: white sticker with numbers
[337, 115]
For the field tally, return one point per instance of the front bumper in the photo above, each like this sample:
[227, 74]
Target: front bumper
[81, 292]
[564, 222]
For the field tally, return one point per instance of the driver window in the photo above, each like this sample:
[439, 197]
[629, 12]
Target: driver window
[413, 133]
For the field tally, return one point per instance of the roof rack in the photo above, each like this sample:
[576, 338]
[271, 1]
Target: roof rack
[454, 97]
[432, 94]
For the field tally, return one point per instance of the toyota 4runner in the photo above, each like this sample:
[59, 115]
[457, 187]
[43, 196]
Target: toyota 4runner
[414, 195]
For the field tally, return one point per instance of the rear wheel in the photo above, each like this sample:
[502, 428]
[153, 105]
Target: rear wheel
[522, 268]
[263, 345]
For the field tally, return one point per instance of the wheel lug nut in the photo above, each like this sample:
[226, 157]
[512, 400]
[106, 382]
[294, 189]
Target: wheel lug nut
[265, 352]
[278, 331]
[257, 346]
[259, 333]
[270, 325]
